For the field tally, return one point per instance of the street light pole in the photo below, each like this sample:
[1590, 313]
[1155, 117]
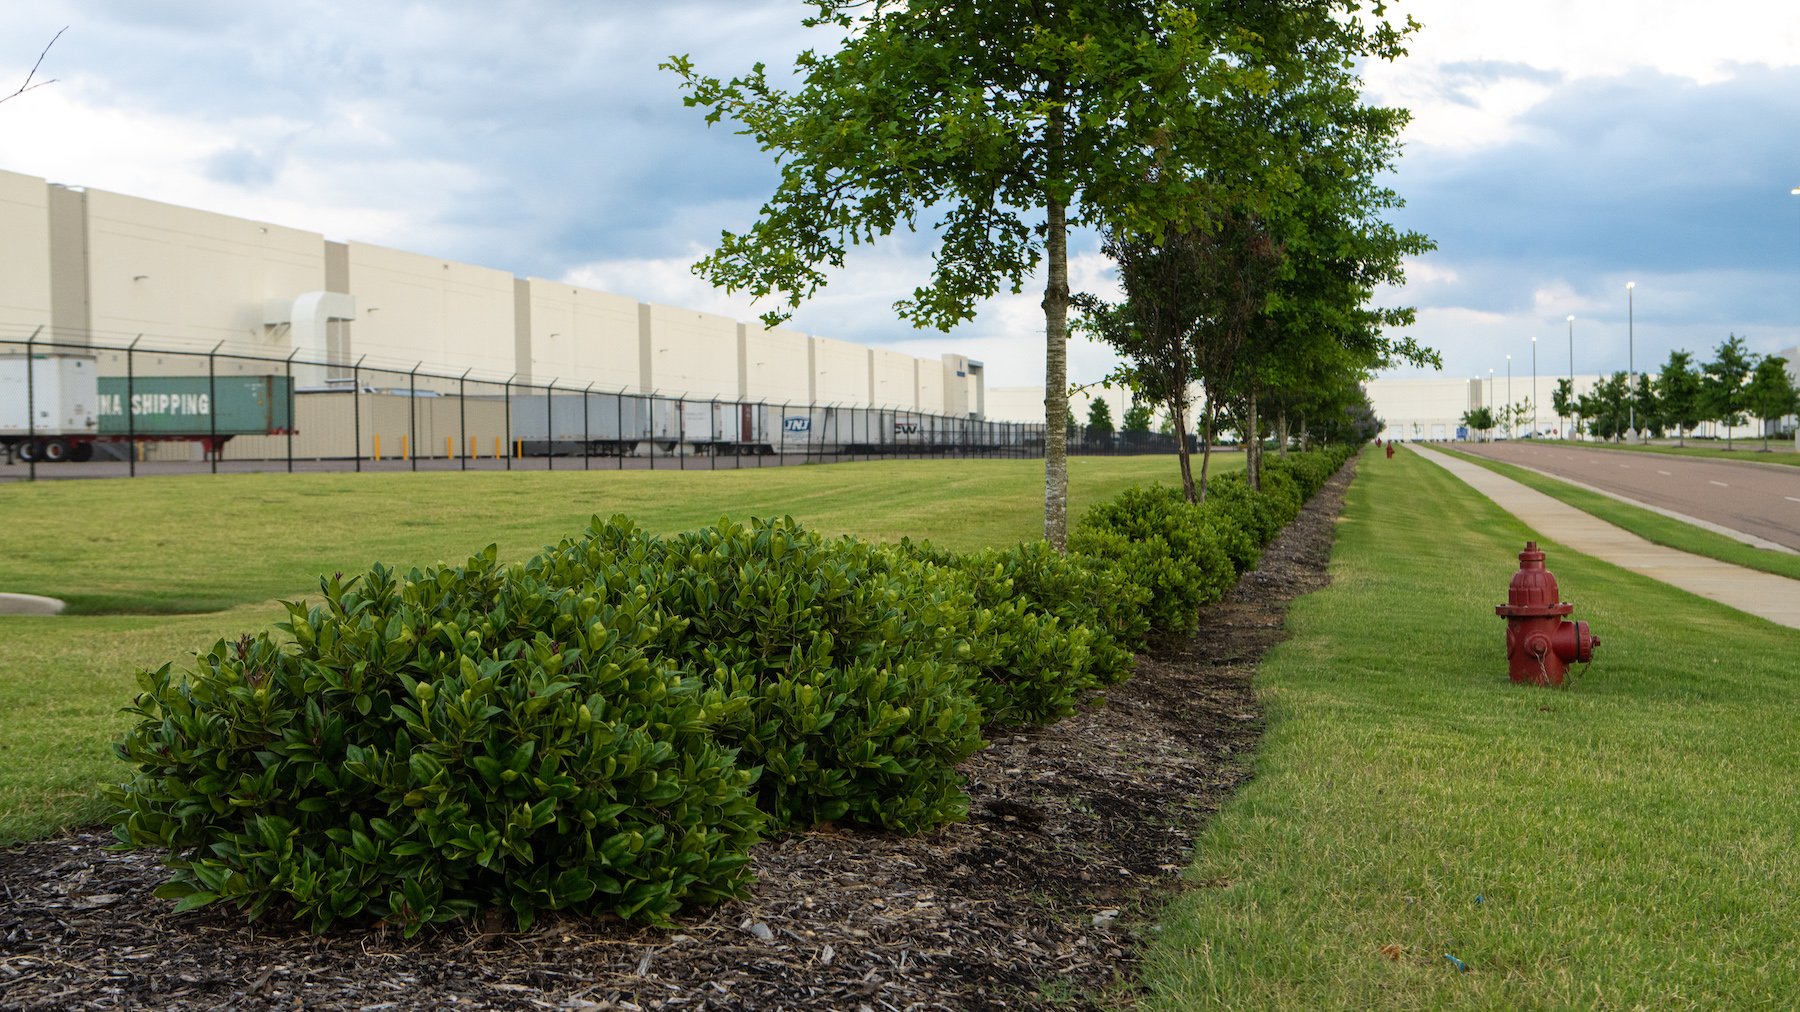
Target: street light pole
[1490, 399]
[1510, 434]
[1566, 425]
[1630, 359]
[1534, 387]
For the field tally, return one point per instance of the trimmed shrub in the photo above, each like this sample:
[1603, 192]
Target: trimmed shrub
[433, 745]
[851, 660]
[1058, 627]
[1157, 540]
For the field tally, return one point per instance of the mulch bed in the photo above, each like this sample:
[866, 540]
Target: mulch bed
[1077, 836]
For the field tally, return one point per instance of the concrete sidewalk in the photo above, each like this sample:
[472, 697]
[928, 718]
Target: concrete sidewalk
[1762, 594]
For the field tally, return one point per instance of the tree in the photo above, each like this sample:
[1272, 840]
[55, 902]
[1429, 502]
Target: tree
[1723, 387]
[1770, 395]
[1099, 421]
[1008, 124]
[1649, 410]
[1606, 407]
[1153, 330]
[1678, 393]
[1137, 418]
[1479, 419]
[1562, 401]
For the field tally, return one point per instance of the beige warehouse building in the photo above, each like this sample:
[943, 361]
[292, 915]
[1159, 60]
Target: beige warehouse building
[90, 269]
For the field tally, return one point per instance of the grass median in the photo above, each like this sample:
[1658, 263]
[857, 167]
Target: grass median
[1647, 524]
[157, 568]
[1623, 843]
[1780, 451]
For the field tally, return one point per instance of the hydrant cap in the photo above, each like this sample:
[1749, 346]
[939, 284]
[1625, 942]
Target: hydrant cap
[1533, 590]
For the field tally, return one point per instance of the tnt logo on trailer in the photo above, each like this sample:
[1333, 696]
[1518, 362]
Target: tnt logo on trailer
[907, 428]
[796, 423]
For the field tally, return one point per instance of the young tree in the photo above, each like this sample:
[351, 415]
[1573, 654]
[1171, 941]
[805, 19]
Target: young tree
[1154, 328]
[1099, 422]
[1678, 394]
[1723, 387]
[1137, 418]
[1479, 420]
[1562, 401]
[999, 127]
[1606, 407]
[1649, 409]
[1770, 395]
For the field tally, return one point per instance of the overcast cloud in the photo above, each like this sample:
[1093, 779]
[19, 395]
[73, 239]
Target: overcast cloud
[1559, 149]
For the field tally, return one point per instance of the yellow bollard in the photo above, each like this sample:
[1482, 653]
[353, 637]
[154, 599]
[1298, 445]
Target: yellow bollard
[377, 446]
[449, 448]
[496, 447]
[518, 449]
[404, 449]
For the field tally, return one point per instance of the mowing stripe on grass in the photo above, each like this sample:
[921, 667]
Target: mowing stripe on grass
[1622, 843]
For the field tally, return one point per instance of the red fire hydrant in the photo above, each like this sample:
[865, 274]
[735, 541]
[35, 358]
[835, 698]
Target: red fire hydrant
[1540, 644]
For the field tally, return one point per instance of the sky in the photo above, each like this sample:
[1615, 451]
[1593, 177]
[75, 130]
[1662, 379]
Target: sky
[1558, 150]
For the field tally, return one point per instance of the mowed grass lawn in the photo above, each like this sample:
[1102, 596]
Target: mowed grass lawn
[157, 568]
[1630, 842]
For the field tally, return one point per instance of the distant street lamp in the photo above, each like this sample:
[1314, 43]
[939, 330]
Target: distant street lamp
[1566, 425]
[1509, 401]
[1534, 387]
[1490, 399]
[1630, 359]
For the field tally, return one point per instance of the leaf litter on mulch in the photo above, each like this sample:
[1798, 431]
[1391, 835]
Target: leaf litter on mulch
[1077, 834]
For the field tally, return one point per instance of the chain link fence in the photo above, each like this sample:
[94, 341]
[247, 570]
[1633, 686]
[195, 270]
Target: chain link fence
[88, 410]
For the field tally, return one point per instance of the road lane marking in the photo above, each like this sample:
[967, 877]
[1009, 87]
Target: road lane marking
[1790, 498]
[1718, 483]
[1626, 466]
[1663, 472]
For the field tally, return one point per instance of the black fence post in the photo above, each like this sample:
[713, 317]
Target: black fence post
[130, 415]
[356, 408]
[619, 410]
[550, 424]
[509, 443]
[212, 406]
[31, 443]
[587, 428]
[462, 418]
[412, 414]
[293, 410]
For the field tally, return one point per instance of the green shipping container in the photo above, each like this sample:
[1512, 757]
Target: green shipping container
[183, 405]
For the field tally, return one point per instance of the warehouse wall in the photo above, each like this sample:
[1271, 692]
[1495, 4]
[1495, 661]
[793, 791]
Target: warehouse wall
[195, 276]
[579, 336]
[24, 255]
[413, 308]
[107, 267]
[687, 352]
[776, 365]
[893, 379]
[840, 372]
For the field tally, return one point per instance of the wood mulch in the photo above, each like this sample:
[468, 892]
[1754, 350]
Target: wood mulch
[1077, 835]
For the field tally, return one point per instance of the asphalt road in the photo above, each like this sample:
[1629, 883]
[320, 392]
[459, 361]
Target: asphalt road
[1758, 499]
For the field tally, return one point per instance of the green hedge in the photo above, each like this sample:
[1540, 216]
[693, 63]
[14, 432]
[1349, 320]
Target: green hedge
[431, 745]
[610, 725]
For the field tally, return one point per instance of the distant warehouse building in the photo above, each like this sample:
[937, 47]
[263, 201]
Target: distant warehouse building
[91, 270]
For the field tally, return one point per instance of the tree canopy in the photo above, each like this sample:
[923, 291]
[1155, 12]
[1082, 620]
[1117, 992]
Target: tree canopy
[998, 127]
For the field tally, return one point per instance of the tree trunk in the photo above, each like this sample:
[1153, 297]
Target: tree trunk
[1206, 446]
[1253, 445]
[1056, 353]
[1181, 448]
[1281, 432]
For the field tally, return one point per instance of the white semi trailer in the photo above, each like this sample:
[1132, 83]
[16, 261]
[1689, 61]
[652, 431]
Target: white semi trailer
[54, 416]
